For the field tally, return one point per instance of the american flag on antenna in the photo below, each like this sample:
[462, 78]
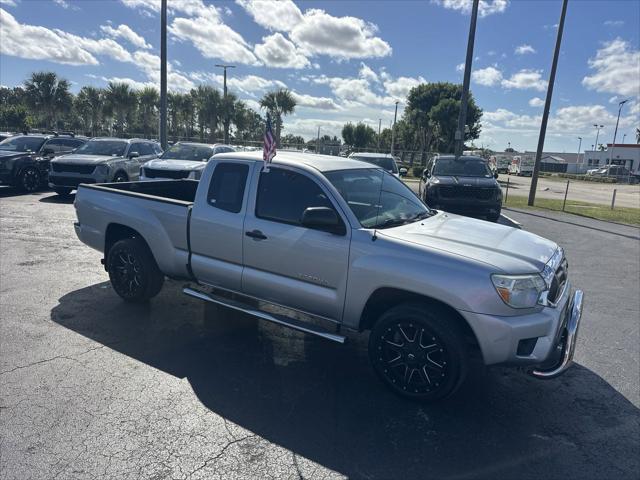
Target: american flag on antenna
[269, 149]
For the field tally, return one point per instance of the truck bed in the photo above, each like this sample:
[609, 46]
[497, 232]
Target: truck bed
[180, 190]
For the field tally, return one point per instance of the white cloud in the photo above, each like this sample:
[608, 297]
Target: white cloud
[616, 69]
[524, 49]
[614, 23]
[526, 79]
[276, 51]
[316, 32]
[353, 90]
[400, 87]
[536, 102]
[488, 77]
[248, 84]
[126, 33]
[485, 8]
[62, 3]
[134, 84]
[320, 103]
[8, 3]
[460, 67]
[103, 46]
[277, 16]
[40, 43]
[367, 73]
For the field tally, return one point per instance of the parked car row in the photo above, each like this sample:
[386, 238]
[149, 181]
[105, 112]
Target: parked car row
[64, 161]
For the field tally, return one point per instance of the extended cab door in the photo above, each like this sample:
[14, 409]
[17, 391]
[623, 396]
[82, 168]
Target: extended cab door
[216, 228]
[285, 262]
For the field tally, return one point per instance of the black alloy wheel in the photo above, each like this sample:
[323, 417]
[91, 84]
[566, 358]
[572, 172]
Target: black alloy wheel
[29, 179]
[418, 352]
[133, 271]
[120, 177]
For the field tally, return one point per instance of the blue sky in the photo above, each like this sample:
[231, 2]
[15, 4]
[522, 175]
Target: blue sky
[349, 60]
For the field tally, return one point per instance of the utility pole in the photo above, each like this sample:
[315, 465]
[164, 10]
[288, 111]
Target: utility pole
[547, 106]
[615, 132]
[393, 128]
[379, 126]
[226, 110]
[579, 147]
[462, 116]
[598, 127]
[163, 74]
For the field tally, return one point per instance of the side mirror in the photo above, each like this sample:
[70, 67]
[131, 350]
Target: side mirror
[47, 151]
[323, 218]
[134, 154]
[426, 173]
[495, 174]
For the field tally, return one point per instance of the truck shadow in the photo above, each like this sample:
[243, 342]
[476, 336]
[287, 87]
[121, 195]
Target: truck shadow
[55, 198]
[322, 401]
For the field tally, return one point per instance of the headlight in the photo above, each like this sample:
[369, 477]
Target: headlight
[519, 291]
[194, 175]
[102, 170]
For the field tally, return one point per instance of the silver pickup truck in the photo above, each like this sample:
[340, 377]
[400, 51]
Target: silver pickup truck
[343, 245]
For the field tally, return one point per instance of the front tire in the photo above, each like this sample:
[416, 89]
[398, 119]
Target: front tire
[133, 271]
[493, 217]
[29, 180]
[418, 351]
[120, 177]
[62, 191]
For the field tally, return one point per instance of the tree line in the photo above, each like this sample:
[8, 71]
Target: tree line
[45, 101]
[428, 124]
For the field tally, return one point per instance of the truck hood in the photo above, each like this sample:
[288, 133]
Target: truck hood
[178, 165]
[507, 249]
[464, 181]
[84, 159]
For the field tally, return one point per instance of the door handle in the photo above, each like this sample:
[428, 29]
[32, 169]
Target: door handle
[256, 235]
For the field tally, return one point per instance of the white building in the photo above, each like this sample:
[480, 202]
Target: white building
[627, 154]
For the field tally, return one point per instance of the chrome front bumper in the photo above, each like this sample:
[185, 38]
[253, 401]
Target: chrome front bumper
[566, 340]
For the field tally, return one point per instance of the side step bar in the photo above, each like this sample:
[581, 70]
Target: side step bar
[270, 317]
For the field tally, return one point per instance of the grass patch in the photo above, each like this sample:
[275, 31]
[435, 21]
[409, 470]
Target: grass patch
[627, 215]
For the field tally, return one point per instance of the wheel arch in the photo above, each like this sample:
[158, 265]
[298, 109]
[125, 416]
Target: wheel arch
[384, 298]
[116, 232]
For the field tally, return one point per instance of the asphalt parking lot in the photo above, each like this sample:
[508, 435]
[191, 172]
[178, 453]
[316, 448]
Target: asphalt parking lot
[93, 388]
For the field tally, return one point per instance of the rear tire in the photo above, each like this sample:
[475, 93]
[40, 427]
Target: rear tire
[493, 217]
[133, 271]
[419, 352]
[63, 192]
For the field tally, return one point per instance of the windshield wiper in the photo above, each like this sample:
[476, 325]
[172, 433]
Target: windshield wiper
[396, 222]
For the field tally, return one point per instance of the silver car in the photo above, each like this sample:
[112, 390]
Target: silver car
[101, 160]
[182, 160]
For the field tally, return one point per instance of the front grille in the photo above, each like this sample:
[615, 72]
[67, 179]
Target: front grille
[460, 191]
[155, 173]
[73, 167]
[559, 279]
[69, 181]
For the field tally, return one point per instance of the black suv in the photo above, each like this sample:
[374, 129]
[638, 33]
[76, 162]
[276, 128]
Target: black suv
[463, 185]
[24, 159]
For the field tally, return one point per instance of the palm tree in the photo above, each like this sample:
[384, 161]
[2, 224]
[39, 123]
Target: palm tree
[278, 103]
[207, 102]
[122, 101]
[48, 95]
[148, 99]
[89, 104]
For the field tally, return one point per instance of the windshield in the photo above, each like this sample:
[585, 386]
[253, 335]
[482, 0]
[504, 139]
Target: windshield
[384, 162]
[377, 199]
[109, 148]
[196, 153]
[22, 144]
[461, 167]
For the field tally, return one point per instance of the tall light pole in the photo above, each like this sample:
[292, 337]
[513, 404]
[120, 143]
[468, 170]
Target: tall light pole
[226, 112]
[163, 75]
[623, 137]
[615, 132]
[579, 147]
[598, 127]
[462, 116]
[547, 107]
[393, 128]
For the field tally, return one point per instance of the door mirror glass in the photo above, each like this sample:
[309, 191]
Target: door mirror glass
[426, 173]
[323, 218]
[134, 154]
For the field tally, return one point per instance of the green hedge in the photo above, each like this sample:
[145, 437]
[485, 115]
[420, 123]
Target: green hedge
[587, 178]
